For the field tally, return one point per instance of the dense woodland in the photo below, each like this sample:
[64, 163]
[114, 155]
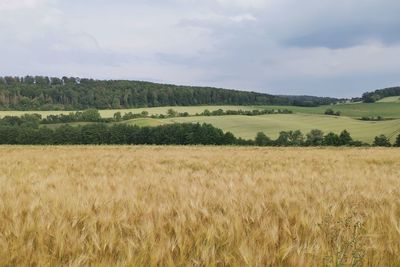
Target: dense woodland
[371, 97]
[51, 93]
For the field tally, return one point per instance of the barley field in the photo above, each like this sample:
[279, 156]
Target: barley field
[199, 206]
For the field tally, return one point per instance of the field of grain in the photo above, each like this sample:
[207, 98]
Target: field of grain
[109, 113]
[199, 206]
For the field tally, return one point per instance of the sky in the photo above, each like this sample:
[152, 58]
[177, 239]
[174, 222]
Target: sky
[338, 48]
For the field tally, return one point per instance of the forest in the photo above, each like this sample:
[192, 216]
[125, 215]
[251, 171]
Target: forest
[66, 93]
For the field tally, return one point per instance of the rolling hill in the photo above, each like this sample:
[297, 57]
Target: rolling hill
[354, 110]
[308, 112]
[247, 127]
[51, 93]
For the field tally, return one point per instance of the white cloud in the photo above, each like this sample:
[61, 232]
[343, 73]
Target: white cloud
[19, 4]
[244, 17]
[245, 3]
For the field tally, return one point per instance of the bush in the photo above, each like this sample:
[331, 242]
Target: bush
[382, 140]
[397, 144]
[262, 140]
[378, 118]
[332, 139]
[290, 138]
[345, 138]
[315, 138]
[330, 112]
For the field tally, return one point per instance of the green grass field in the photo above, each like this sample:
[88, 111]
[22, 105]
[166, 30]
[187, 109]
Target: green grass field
[247, 127]
[304, 119]
[143, 122]
[109, 113]
[391, 99]
[385, 109]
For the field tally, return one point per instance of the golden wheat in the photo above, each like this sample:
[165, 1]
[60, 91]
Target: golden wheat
[199, 206]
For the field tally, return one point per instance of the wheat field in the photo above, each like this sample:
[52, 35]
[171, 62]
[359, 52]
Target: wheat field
[199, 206]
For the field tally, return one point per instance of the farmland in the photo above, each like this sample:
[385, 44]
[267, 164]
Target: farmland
[248, 126]
[390, 99]
[271, 125]
[303, 118]
[202, 206]
[388, 109]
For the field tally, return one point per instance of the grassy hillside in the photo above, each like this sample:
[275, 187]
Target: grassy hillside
[247, 127]
[386, 110]
[108, 113]
[304, 119]
[198, 206]
[358, 110]
[144, 122]
[47, 93]
[390, 99]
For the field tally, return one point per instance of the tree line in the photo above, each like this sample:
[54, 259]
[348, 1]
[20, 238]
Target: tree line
[317, 137]
[27, 130]
[371, 97]
[69, 93]
[256, 112]
[93, 115]
[119, 134]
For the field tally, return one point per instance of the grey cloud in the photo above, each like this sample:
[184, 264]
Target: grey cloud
[342, 36]
[279, 46]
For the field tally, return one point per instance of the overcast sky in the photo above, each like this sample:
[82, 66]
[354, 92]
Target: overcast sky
[314, 47]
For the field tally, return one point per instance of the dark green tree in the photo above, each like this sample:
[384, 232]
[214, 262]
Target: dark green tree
[290, 138]
[117, 116]
[116, 103]
[296, 138]
[283, 139]
[397, 144]
[91, 115]
[206, 112]
[45, 136]
[315, 138]
[94, 134]
[172, 113]
[382, 140]
[262, 140]
[345, 138]
[67, 135]
[229, 138]
[331, 139]
[329, 111]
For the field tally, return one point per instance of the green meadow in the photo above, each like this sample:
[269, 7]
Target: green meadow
[391, 99]
[304, 118]
[248, 126]
[357, 110]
